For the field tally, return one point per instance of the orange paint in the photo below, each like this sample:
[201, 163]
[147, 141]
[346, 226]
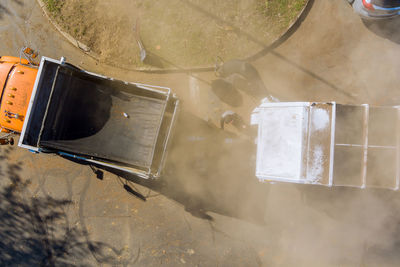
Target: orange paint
[13, 60]
[16, 85]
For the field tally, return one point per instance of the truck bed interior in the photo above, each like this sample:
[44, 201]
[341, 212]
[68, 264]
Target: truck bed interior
[99, 117]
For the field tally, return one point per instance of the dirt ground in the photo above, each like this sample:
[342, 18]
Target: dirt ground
[176, 32]
[56, 212]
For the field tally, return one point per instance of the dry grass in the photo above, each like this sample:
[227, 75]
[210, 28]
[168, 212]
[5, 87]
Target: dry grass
[182, 32]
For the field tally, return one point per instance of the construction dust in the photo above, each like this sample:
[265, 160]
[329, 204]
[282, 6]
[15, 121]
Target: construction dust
[210, 209]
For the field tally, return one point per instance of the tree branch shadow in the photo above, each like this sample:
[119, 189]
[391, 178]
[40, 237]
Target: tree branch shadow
[3, 10]
[35, 230]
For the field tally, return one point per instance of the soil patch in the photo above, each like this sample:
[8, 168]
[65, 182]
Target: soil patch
[175, 32]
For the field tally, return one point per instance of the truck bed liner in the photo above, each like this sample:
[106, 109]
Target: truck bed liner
[102, 118]
[127, 140]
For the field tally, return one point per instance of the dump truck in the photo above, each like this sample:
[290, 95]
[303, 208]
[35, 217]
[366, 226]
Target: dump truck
[59, 108]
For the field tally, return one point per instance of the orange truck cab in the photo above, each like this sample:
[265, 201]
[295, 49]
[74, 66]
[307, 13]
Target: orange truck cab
[17, 78]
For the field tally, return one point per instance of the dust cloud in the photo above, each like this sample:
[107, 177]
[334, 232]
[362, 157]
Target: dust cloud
[212, 172]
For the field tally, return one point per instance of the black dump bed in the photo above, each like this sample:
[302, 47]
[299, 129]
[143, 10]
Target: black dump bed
[103, 118]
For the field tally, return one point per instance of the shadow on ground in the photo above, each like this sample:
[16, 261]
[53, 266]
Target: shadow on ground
[386, 28]
[5, 10]
[35, 230]
[211, 170]
[208, 169]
